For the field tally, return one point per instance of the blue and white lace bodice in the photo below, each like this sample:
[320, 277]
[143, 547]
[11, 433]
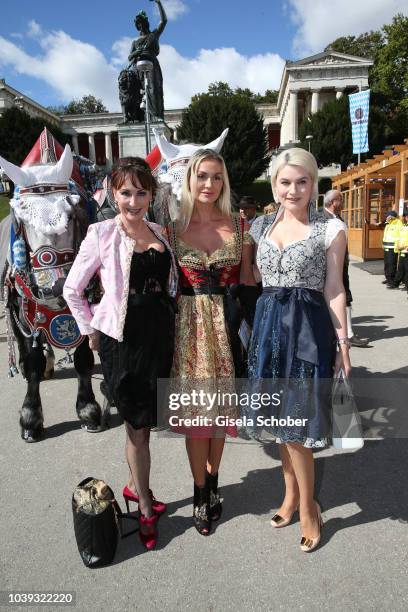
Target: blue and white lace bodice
[301, 263]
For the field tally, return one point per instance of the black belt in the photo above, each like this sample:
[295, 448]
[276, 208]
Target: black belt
[204, 290]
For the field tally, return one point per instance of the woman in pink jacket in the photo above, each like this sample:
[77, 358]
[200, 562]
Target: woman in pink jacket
[133, 326]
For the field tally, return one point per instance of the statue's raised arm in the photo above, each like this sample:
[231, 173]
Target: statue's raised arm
[163, 17]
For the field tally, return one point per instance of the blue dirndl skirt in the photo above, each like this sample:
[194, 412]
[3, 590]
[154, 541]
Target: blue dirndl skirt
[291, 358]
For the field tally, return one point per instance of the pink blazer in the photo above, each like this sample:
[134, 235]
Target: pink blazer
[107, 250]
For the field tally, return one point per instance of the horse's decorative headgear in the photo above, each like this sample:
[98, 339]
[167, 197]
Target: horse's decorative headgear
[178, 156]
[44, 199]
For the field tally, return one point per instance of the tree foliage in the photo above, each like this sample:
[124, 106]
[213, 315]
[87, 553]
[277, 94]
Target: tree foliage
[388, 124]
[364, 45]
[19, 132]
[388, 48]
[390, 71]
[331, 131]
[87, 105]
[220, 88]
[245, 149]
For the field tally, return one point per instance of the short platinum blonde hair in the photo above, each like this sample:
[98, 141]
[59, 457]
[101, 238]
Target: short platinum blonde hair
[187, 200]
[296, 157]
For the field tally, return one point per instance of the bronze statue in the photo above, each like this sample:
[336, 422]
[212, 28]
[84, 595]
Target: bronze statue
[146, 47]
[130, 96]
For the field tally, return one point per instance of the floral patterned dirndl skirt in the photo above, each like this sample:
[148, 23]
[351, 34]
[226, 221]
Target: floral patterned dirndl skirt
[203, 360]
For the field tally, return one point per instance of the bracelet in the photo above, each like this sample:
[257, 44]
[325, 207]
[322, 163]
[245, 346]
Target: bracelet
[343, 341]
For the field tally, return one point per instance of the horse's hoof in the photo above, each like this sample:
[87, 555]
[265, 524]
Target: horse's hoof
[91, 428]
[31, 435]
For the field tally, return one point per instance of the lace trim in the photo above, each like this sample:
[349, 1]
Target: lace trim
[123, 304]
[47, 214]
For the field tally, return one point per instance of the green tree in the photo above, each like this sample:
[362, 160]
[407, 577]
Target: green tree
[87, 105]
[245, 149]
[364, 45]
[270, 97]
[390, 71]
[19, 131]
[331, 131]
[388, 121]
[220, 88]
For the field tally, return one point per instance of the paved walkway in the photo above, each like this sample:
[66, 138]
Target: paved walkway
[244, 564]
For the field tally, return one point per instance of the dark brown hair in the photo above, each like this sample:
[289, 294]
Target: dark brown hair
[137, 169]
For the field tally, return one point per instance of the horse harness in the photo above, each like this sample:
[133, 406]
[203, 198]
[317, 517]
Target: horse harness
[39, 283]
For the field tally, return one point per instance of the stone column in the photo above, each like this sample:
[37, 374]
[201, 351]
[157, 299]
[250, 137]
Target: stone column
[315, 102]
[293, 116]
[75, 143]
[108, 151]
[339, 93]
[91, 141]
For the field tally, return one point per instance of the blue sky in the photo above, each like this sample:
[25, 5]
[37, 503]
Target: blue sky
[53, 56]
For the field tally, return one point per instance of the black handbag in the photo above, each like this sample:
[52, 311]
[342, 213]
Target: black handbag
[97, 527]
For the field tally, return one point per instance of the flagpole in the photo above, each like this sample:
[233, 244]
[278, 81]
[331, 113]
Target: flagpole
[358, 159]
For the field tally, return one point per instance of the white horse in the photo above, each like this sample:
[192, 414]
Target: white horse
[49, 223]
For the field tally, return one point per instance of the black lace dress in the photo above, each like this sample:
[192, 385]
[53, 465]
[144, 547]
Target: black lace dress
[131, 367]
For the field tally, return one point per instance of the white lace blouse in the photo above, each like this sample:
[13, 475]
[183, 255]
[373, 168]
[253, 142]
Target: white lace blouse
[301, 263]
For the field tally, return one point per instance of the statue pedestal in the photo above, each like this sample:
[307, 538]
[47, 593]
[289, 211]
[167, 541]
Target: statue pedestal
[132, 139]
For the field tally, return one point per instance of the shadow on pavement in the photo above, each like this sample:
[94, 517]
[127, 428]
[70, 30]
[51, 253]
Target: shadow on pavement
[59, 429]
[374, 479]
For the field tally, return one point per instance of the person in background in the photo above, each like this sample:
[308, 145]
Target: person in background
[333, 206]
[247, 209]
[390, 237]
[401, 246]
[270, 208]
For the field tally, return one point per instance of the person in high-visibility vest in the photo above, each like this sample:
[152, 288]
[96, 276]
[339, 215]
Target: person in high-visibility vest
[390, 237]
[402, 247]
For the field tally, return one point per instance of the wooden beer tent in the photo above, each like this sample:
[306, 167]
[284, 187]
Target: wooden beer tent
[369, 191]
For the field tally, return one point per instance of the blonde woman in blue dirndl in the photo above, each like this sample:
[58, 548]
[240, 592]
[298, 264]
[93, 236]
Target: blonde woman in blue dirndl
[299, 338]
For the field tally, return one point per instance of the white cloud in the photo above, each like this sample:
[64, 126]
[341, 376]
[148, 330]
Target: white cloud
[121, 50]
[320, 22]
[34, 29]
[184, 77]
[74, 68]
[174, 8]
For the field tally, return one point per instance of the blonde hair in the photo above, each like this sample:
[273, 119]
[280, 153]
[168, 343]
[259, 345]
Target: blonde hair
[296, 157]
[187, 201]
[270, 208]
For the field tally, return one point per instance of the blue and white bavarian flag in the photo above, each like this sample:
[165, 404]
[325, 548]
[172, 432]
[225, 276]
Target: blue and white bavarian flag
[359, 108]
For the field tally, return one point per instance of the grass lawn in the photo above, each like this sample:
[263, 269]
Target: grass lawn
[4, 206]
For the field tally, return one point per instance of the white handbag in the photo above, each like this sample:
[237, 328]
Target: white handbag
[346, 420]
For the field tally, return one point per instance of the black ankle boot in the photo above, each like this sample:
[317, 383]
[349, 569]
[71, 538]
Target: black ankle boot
[201, 509]
[215, 501]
